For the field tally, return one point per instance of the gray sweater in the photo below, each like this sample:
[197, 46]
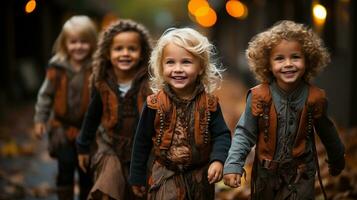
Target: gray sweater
[46, 94]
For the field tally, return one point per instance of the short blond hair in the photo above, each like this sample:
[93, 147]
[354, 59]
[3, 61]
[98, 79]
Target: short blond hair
[195, 43]
[80, 24]
[316, 54]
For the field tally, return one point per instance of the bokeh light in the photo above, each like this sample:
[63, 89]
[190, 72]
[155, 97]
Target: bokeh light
[108, 19]
[207, 19]
[235, 8]
[319, 15]
[320, 12]
[30, 6]
[193, 5]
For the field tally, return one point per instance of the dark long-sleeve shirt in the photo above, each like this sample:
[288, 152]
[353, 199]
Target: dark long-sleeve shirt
[90, 124]
[220, 135]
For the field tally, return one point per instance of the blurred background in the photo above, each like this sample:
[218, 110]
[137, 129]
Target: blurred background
[29, 28]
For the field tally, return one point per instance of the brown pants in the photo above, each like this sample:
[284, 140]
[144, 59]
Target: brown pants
[291, 183]
[166, 184]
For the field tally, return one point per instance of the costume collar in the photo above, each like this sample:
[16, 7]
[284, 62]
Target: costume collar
[168, 90]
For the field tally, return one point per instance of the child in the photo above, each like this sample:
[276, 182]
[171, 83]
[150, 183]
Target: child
[282, 115]
[63, 100]
[182, 122]
[120, 88]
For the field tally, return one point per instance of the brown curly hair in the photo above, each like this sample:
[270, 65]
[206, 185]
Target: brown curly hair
[101, 61]
[258, 52]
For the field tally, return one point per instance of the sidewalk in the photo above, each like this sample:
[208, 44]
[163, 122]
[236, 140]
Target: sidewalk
[27, 171]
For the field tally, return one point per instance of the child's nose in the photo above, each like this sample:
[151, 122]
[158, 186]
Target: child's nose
[79, 45]
[125, 51]
[288, 62]
[178, 68]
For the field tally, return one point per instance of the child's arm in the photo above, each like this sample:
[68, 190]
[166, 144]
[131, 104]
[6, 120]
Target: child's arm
[333, 145]
[88, 130]
[244, 139]
[220, 136]
[221, 141]
[141, 150]
[43, 107]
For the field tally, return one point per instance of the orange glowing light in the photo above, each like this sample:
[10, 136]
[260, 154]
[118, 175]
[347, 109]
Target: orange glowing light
[319, 14]
[193, 5]
[108, 19]
[30, 6]
[235, 8]
[245, 12]
[207, 20]
[202, 11]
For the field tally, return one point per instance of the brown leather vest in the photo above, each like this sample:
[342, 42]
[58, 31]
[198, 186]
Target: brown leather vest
[165, 120]
[263, 108]
[59, 79]
[111, 106]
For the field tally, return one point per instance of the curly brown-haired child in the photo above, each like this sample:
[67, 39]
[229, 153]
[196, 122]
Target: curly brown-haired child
[282, 114]
[120, 88]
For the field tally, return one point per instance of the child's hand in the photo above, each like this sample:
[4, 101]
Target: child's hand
[83, 161]
[215, 171]
[39, 129]
[232, 180]
[139, 190]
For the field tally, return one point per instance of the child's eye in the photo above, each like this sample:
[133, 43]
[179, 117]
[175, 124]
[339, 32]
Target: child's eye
[279, 58]
[186, 62]
[117, 48]
[296, 56]
[169, 62]
[72, 41]
[133, 48]
[84, 41]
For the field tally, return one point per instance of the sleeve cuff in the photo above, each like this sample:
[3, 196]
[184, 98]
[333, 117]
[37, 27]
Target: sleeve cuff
[232, 169]
[217, 158]
[82, 149]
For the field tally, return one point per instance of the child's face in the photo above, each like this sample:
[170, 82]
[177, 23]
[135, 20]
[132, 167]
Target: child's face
[125, 51]
[78, 48]
[287, 63]
[180, 70]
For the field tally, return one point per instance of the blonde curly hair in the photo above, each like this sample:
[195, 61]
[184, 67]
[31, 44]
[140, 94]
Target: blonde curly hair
[195, 43]
[316, 54]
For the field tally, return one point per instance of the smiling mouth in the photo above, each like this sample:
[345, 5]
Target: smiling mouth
[289, 72]
[80, 52]
[178, 77]
[125, 61]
